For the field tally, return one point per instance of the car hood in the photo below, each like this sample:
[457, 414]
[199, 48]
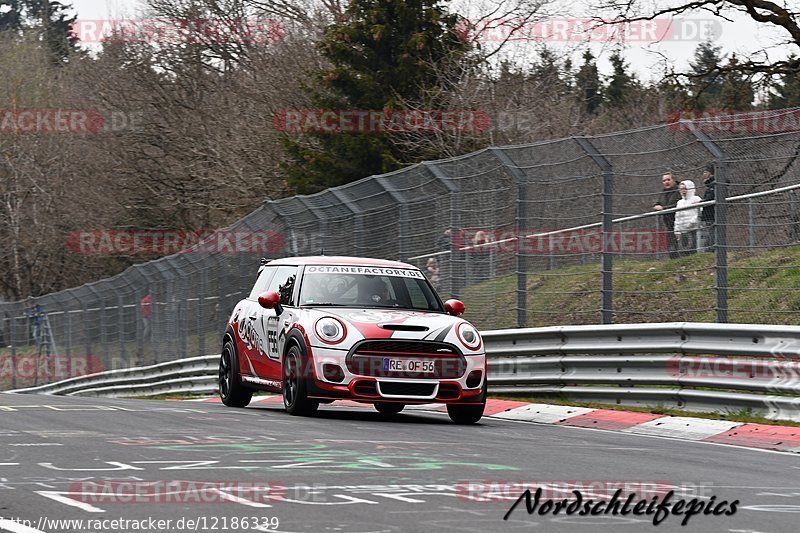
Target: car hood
[389, 323]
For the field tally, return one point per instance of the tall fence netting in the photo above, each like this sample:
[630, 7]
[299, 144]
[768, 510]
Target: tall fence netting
[519, 233]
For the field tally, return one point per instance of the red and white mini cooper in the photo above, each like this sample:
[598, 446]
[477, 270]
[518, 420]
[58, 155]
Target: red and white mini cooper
[319, 329]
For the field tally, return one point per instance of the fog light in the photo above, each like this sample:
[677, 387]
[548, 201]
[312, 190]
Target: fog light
[333, 372]
[474, 378]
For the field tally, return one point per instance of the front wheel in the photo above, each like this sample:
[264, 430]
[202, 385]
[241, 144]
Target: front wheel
[231, 391]
[389, 408]
[295, 392]
[467, 414]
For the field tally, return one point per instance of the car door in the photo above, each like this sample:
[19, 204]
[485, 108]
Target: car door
[275, 326]
[252, 335]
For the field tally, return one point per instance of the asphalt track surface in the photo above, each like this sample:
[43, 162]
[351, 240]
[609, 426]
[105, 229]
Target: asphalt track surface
[352, 470]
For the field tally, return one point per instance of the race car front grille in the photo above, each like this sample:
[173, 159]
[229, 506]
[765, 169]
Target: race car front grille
[394, 388]
[397, 346]
[379, 358]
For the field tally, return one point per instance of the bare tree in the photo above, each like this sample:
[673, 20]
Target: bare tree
[783, 16]
[49, 181]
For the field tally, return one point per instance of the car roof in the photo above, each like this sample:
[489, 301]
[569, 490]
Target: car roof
[339, 260]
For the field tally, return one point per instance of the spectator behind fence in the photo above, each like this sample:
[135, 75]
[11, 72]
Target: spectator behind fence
[146, 311]
[707, 216]
[445, 241]
[479, 256]
[687, 222]
[667, 200]
[433, 272]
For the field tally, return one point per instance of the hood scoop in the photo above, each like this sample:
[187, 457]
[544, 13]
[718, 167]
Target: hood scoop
[402, 327]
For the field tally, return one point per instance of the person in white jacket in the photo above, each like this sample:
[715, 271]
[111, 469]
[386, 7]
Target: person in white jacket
[687, 222]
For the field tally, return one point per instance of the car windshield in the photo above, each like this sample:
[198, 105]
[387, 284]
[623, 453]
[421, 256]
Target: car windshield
[348, 286]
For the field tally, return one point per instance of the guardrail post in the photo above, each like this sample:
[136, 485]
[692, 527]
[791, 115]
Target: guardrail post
[520, 223]
[607, 268]
[457, 262]
[720, 219]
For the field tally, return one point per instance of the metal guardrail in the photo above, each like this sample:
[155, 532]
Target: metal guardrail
[623, 364]
[195, 375]
[682, 365]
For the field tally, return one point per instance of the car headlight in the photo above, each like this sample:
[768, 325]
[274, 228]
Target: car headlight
[469, 336]
[330, 330]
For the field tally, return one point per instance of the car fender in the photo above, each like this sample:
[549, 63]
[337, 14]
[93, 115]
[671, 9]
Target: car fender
[297, 335]
[230, 332]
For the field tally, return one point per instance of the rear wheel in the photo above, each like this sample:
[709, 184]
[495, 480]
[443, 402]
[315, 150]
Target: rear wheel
[295, 392]
[389, 408]
[231, 390]
[467, 414]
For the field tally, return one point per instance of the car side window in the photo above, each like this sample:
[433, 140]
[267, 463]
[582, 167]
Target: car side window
[283, 284]
[263, 282]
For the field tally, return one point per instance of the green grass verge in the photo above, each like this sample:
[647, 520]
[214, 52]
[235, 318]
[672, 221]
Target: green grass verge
[668, 290]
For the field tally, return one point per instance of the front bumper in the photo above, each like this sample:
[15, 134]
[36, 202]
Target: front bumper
[466, 388]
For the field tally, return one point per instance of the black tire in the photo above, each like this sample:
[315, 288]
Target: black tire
[295, 391]
[389, 408]
[231, 390]
[467, 414]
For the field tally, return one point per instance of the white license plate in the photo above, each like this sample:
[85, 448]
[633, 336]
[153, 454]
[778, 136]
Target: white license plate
[409, 365]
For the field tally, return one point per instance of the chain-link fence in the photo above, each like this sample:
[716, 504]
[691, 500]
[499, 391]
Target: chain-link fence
[558, 232]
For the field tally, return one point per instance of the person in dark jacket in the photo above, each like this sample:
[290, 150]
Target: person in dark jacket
[707, 216]
[667, 200]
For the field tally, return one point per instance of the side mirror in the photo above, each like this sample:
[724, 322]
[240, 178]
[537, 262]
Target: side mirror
[271, 300]
[454, 307]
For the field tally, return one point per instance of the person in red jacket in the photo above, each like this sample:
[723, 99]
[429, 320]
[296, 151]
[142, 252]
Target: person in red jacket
[146, 310]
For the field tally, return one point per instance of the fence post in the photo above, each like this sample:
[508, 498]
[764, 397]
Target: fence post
[68, 321]
[358, 214]
[399, 198]
[101, 310]
[322, 227]
[607, 268]
[520, 223]
[201, 303]
[121, 328]
[720, 219]
[12, 336]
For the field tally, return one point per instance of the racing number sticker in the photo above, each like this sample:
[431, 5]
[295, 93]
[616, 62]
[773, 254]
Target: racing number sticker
[272, 337]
